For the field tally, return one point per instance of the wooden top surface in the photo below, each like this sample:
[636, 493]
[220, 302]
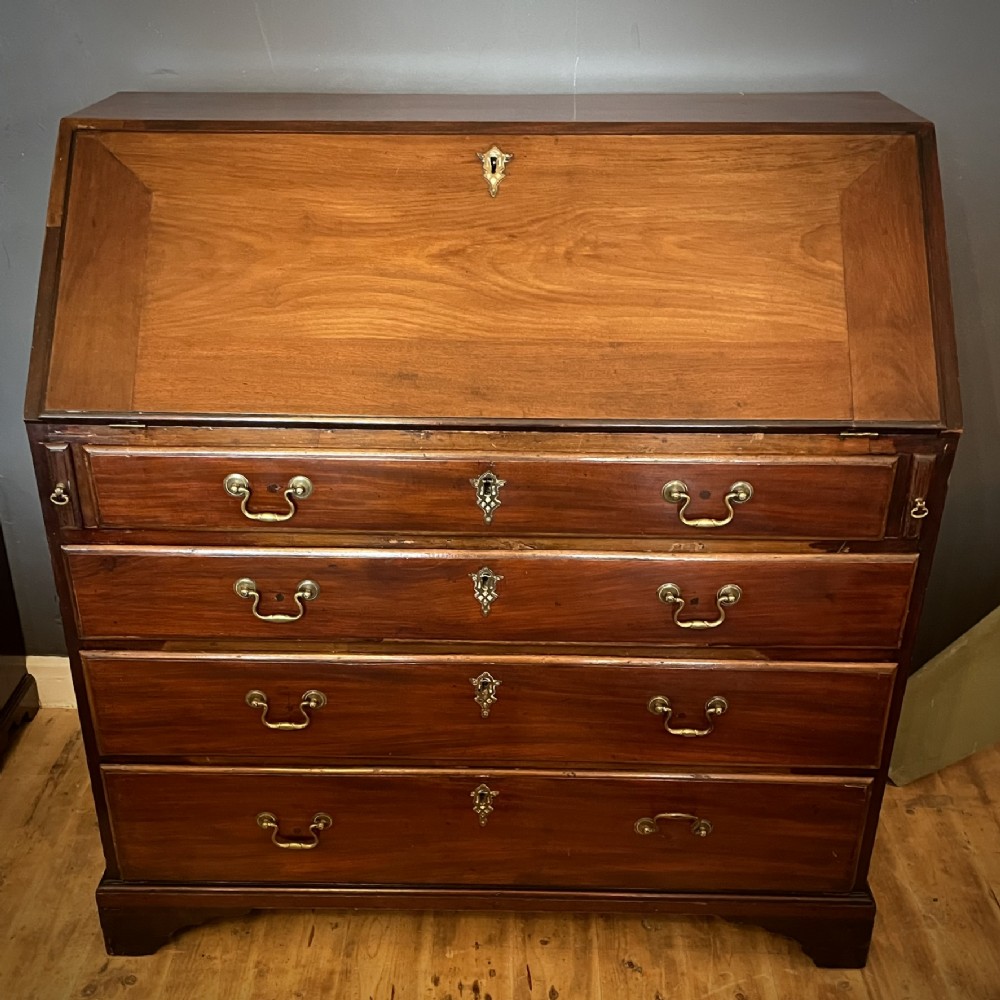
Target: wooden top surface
[728, 274]
[853, 110]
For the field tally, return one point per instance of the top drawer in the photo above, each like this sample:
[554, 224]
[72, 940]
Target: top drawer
[471, 493]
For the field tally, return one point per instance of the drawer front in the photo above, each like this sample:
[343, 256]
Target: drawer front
[470, 494]
[491, 596]
[505, 710]
[498, 828]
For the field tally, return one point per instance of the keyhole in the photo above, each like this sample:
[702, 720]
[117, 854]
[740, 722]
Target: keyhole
[493, 164]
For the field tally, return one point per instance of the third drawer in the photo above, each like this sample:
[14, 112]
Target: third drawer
[506, 710]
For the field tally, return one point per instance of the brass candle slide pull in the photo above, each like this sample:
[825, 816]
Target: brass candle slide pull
[648, 824]
[239, 486]
[727, 596]
[307, 590]
[677, 492]
[60, 495]
[311, 700]
[320, 822]
[714, 707]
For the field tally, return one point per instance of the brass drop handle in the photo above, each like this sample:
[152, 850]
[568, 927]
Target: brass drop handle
[299, 487]
[677, 492]
[648, 824]
[727, 596]
[714, 707]
[320, 822]
[307, 590]
[311, 700]
[60, 495]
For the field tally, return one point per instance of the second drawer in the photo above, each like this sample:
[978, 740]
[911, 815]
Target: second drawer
[505, 710]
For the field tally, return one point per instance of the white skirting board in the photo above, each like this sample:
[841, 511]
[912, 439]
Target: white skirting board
[54, 680]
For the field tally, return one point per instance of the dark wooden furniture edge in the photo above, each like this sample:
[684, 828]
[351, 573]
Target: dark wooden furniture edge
[823, 109]
[21, 707]
[834, 931]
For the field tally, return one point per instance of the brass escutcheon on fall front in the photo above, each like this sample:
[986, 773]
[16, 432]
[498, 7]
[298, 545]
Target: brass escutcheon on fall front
[494, 162]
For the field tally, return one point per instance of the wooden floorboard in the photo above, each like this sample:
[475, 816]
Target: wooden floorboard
[936, 876]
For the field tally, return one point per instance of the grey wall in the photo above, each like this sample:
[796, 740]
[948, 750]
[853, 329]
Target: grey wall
[936, 56]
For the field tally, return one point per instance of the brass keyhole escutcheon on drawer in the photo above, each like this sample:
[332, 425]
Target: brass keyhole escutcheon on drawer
[483, 797]
[727, 596]
[487, 487]
[237, 485]
[676, 492]
[714, 707]
[320, 822]
[494, 162]
[649, 824]
[484, 584]
[486, 691]
[307, 590]
[310, 701]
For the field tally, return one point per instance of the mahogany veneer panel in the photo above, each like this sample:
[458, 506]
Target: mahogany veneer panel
[353, 288]
[546, 829]
[548, 494]
[149, 592]
[555, 709]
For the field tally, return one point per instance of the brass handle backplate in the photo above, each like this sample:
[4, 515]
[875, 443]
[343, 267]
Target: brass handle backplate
[307, 590]
[487, 487]
[648, 824]
[299, 487]
[320, 822]
[310, 701]
[494, 162]
[714, 707]
[727, 596]
[677, 492]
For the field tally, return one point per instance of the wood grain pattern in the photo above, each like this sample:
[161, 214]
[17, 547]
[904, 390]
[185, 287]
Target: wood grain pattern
[893, 365]
[737, 279]
[544, 596]
[393, 710]
[420, 828]
[101, 290]
[543, 494]
[934, 937]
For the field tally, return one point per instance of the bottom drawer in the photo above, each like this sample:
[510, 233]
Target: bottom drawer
[501, 828]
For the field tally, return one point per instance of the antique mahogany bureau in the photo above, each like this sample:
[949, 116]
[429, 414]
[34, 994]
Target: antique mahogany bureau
[492, 502]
